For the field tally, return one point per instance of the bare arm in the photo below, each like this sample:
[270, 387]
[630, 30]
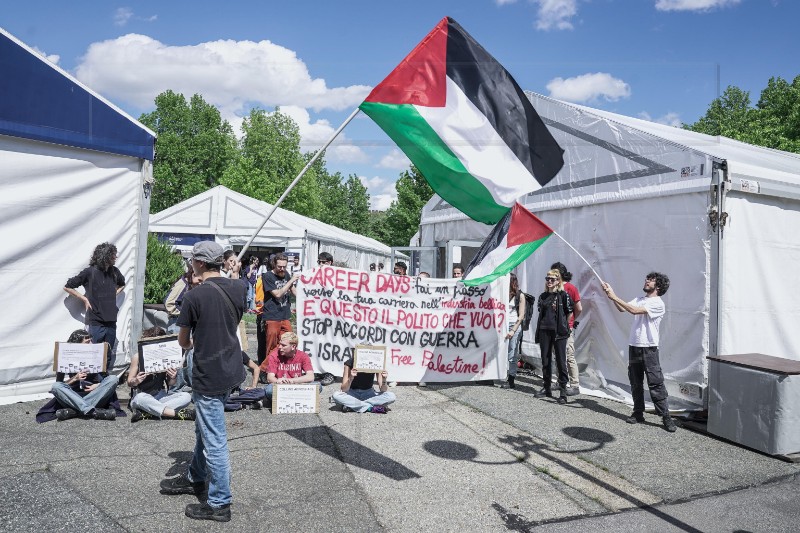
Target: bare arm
[621, 304]
[289, 285]
[185, 338]
[79, 296]
[256, 373]
[347, 378]
[577, 309]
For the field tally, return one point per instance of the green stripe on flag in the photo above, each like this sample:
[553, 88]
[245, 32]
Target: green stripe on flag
[444, 172]
[519, 255]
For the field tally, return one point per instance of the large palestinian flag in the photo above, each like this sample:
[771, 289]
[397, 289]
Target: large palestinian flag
[518, 234]
[466, 124]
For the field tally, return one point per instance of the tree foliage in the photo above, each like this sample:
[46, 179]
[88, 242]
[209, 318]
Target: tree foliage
[774, 122]
[162, 270]
[402, 218]
[194, 146]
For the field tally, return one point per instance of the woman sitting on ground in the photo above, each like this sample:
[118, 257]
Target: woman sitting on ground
[149, 395]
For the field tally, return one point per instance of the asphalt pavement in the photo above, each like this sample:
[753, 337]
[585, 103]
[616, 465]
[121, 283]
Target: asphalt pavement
[445, 458]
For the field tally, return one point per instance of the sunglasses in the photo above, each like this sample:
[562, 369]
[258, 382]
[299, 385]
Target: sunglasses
[551, 279]
[323, 262]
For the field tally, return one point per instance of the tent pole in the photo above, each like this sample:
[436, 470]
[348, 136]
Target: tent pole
[579, 255]
[291, 185]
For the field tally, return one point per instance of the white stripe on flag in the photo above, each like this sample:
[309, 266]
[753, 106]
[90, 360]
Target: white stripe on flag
[481, 150]
[492, 260]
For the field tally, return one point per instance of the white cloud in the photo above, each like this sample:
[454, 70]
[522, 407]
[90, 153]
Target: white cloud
[670, 119]
[122, 15]
[382, 192]
[589, 87]
[395, 159]
[504, 2]
[232, 75]
[693, 5]
[53, 58]
[314, 134]
[555, 14]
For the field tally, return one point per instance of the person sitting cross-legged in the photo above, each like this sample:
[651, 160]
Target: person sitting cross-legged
[149, 395]
[81, 394]
[287, 365]
[358, 394]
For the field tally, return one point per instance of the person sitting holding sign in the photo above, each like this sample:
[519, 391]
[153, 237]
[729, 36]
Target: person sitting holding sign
[149, 395]
[82, 393]
[287, 364]
[358, 394]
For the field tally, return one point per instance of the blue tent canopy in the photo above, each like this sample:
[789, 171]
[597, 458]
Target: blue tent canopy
[38, 101]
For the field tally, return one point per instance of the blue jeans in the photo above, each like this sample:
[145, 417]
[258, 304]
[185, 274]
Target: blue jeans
[147, 403]
[105, 334]
[362, 399]
[85, 404]
[513, 350]
[268, 390]
[184, 377]
[211, 460]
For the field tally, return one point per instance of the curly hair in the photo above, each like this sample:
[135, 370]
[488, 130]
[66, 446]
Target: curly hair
[566, 275]
[662, 282]
[78, 336]
[104, 256]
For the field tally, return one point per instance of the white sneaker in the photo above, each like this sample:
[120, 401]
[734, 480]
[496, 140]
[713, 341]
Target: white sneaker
[422, 384]
[393, 384]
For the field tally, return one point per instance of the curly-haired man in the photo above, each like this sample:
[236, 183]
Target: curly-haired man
[648, 310]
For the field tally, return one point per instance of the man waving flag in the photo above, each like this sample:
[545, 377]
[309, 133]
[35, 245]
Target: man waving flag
[466, 124]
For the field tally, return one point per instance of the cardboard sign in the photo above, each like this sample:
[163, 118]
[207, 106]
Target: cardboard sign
[371, 359]
[71, 358]
[295, 398]
[157, 354]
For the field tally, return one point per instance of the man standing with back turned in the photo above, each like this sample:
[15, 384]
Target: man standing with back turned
[209, 321]
[648, 310]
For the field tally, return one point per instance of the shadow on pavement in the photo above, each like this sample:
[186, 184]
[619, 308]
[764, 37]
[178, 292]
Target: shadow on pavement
[351, 452]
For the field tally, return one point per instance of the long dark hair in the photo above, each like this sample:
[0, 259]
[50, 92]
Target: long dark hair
[103, 256]
[513, 287]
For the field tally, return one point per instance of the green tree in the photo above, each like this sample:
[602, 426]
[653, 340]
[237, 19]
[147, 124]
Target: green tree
[357, 202]
[270, 159]
[402, 218]
[193, 148]
[163, 268]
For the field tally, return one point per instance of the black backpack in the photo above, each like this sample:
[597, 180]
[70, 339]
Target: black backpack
[529, 301]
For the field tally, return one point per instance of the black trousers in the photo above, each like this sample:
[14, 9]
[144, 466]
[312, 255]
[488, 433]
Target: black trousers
[643, 362]
[548, 343]
[261, 339]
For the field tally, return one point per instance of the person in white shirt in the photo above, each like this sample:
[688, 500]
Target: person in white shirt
[648, 310]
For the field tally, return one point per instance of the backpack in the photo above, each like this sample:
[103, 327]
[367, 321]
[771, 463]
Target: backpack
[529, 301]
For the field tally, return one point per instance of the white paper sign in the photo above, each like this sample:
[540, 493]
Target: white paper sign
[370, 359]
[71, 358]
[434, 330]
[295, 398]
[159, 356]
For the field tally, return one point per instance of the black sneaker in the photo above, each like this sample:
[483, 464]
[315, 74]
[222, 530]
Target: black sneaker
[562, 399]
[187, 413]
[635, 418]
[573, 391]
[669, 424]
[327, 379]
[140, 415]
[544, 392]
[203, 511]
[66, 413]
[346, 409]
[104, 414]
[181, 485]
[255, 406]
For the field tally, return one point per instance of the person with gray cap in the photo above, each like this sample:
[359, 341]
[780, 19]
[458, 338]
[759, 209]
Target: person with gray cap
[209, 322]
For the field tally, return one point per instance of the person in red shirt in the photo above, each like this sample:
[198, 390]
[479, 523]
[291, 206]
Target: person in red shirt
[572, 366]
[287, 364]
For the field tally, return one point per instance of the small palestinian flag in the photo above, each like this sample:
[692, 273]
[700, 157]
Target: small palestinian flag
[512, 240]
[466, 124]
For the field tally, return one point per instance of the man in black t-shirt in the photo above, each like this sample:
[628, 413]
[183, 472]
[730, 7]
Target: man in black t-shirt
[357, 393]
[101, 282]
[208, 322]
[278, 284]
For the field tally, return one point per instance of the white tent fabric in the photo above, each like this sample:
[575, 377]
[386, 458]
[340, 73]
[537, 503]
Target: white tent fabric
[76, 172]
[636, 196]
[230, 218]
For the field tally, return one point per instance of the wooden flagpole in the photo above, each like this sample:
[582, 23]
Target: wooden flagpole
[291, 185]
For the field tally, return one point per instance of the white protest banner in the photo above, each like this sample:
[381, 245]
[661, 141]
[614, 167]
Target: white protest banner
[434, 330]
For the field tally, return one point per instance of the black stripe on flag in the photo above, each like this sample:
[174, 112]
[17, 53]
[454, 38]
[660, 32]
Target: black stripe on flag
[494, 92]
[493, 240]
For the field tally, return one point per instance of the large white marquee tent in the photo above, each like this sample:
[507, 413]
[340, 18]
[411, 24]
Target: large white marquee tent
[230, 218]
[720, 217]
[76, 171]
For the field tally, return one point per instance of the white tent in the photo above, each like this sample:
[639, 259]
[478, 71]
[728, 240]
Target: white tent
[718, 216]
[76, 171]
[230, 218]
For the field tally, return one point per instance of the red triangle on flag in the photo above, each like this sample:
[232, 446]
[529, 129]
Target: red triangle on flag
[420, 78]
[525, 227]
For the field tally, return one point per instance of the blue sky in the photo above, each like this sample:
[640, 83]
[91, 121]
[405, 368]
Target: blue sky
[663, 60]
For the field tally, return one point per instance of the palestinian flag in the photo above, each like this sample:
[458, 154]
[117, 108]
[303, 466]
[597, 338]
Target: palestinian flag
[466, 124]
[512, 240]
